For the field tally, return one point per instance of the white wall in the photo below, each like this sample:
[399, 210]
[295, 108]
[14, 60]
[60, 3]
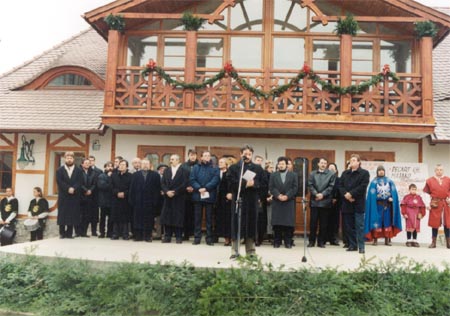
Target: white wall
[436, 154]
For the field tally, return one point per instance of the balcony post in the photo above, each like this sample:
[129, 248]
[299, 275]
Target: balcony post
[189, 69]
[346, 72]
[114, 39]
[426, 68]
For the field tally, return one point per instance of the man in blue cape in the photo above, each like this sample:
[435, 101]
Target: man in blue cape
[383, 218]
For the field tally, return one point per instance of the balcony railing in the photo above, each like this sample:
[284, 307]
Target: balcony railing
[388, 98]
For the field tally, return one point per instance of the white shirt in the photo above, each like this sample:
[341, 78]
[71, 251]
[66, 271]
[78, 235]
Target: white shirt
[174, 170]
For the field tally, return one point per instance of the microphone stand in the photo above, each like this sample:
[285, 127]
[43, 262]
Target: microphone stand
[238, 211]
[304, 203]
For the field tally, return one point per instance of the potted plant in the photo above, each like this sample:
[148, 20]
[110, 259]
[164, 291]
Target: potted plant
[425, 29]
[347, 26]
[191, 22]
[115, 22]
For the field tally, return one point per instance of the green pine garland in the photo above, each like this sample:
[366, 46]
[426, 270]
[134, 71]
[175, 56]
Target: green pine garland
[275, 92]
[115, 22]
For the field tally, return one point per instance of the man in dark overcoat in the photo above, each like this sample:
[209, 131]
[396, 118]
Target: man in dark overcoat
[352, 189]
[145, 192]
[204, 179]
[283, 186]
[69, 179]
[104, 199]
[249, 200]
[120, 208]
[173, 184]
[89, 206]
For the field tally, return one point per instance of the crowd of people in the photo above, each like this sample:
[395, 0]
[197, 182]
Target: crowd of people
[243, 201]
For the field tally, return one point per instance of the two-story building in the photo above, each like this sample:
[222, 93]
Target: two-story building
[89, 95]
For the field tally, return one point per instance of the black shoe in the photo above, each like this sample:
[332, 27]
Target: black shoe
[311, 244]
[288, 246]
[352, 249]
[320, 245]
[334, 243]
[94, 235]
[114, 237]
[166, 241]
[362, 251]
[196, 242]
[126, 238]
[62, 236]
[179, 241]
[75, 236]
[85, 236]
[186, 238]
[234, 256]
[210, 243]
[101, 236]
[148, 239]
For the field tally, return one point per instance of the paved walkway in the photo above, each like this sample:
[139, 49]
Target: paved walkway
[217, 256]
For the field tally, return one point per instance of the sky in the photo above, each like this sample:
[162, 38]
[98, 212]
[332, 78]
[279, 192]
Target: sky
[30, 27]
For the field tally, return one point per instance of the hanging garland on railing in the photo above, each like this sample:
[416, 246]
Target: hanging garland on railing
[305, 72]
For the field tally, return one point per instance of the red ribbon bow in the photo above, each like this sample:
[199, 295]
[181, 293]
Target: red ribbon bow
[306, 69]
[151, 64]
[228, 67]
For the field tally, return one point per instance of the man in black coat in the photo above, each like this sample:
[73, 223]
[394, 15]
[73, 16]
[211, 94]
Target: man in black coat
[145, 192]
[120, 208]
[249, 204]
[320, 184]
[189, 211]
[352, 189]
[173, 184]
[104, 198]
[69, 179]
[89, 206]
[283, 186]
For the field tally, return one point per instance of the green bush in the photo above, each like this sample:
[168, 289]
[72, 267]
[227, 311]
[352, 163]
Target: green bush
[65, 287]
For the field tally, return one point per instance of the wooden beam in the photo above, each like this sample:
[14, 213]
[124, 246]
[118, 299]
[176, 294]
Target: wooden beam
[387, 19]
[168, 16]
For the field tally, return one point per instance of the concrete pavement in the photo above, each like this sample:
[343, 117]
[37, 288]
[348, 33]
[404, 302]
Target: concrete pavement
[217, 256]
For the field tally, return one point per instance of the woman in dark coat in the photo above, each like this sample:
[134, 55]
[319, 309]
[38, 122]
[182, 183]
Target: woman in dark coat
[120, 208]
[223, 204]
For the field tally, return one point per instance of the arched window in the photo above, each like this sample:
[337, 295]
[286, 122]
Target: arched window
[70, 79]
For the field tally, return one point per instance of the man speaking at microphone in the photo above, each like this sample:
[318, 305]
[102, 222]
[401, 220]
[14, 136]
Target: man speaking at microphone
[251, 180]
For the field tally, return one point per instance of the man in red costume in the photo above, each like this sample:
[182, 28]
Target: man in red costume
[438, 187]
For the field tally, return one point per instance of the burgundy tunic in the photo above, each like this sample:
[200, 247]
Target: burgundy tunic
[439, 192]
[412, 206]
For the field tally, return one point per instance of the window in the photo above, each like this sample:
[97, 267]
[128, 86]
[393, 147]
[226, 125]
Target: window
[70, 79]
[174, 52]
[246, 52]
[6, 159]
[141, 49]
[289, 17]
[289, 53]
[210, 52]
[326, 55]
[396, 54]
[160, 154]
[362, 57]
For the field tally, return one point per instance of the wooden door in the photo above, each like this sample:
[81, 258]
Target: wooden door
[310, 158]
[160, 154]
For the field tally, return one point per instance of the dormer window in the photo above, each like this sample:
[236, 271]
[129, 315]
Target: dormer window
[70, 80]
[66, 78]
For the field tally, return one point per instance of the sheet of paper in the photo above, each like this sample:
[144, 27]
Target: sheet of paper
[204, 195]
[249, 175]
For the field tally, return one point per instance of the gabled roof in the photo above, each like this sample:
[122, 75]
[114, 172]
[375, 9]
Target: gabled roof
[379, 8]
[55, 110]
